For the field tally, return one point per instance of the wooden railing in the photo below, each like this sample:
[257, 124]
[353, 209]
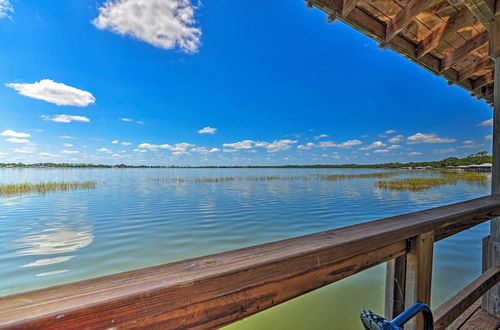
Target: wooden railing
[216, 290]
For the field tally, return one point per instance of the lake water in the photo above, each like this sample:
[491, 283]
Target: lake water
[130, 221]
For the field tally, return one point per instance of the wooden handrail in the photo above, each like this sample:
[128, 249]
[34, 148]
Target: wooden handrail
[216, 290]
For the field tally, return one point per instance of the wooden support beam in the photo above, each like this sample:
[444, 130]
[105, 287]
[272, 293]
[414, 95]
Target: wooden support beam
[395, 287]
[461, 52]
[419, 275]
[445, 314]
[483, 81]
[482, 9]
[478, 65]
[405, 16]
[347, 6]
[455, 22]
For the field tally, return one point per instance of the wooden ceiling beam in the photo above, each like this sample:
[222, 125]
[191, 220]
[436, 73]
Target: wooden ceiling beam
[482, 9]
[461, 52]
[404, 17]
[347, 6]
[483, 81]
[455, 22]
[480, 64]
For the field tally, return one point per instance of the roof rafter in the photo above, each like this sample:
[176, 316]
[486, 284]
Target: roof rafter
[405, 16]
[461, 52]
[483, 81]
[482, 9]
[347, 6]
[480, 64]
[445, 30]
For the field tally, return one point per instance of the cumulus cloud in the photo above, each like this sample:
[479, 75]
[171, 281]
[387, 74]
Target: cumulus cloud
[330, 144]
[67, 137]
[207, 130]
[126, 119]
[17, 140]
[277, 145]
[444, 151]
[396, 139]
[427, 138]
[246, 144]
[69, 152]
[374, 145]
[317, 137]
[68, 145]
[414, 153]
[126, 143]
[162, 23]
[5, 8]
[391, 131]
[471, 144]
[204, 151]
[11, 133]
[177, 149]
[53, 92]
[65, 118]
[48, 155]
[489, 137]
[486, 123]
[381, 151]
[106, 150]
[394, 146]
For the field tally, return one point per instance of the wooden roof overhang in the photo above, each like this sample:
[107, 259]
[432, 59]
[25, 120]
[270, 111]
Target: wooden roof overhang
[450, 38]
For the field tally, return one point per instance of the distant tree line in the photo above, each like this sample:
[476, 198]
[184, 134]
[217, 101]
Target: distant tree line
[478, 158]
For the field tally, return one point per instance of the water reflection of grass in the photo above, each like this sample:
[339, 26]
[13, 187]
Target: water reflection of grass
[43, 188]
[414, 183]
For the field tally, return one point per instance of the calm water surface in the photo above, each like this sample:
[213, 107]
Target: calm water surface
[130, 221]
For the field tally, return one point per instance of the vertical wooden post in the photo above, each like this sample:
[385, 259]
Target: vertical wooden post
[491, 244]
[419, 275]
[395, 287]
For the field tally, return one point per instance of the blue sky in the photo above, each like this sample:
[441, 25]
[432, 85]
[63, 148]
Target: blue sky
[174, 82]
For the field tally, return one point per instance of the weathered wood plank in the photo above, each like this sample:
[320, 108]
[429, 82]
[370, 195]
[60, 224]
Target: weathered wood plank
[483, 81]
[348, 6]
[481, 10]
[481, 320]
[445, 314]
[419, 275]
[478, 65]
[461, 52]
[216, 290]
[395, 287]
[444, 31]
[405, 16]
[459, 321]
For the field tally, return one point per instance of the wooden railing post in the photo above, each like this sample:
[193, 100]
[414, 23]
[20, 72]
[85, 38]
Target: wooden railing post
[419, 275]
[491, 244]
[395, 287]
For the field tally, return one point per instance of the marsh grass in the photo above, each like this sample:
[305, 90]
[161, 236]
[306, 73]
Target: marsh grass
[44, 187]
[470, 176]
[414, 183]
[337, 177]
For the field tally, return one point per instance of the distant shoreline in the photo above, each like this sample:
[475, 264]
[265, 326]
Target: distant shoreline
[473, 159]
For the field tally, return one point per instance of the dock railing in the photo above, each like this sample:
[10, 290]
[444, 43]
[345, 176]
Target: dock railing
[216, 290]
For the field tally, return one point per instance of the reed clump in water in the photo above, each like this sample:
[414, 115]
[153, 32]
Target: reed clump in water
[337, 177]
[470, 176]
[414, 183]
[43, 187]
[176, 180]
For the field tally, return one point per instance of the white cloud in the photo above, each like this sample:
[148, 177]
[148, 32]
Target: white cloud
[11, 133]
[126, 143]
[277, 145]
[114, 141]
[486, 123]
[246, 144]
[414, 153]
[67, 137]
[330, 144]
[65, 118]
[306, 147]
[68, 145]
[391, 131]
[106, 150]
[48, 155]
[140, 122]
[126, 119]
[204, 151]
[317, 137]
[427, 138]
[25, 150]
[139, 150]
[161, 23]
[177, 149]
[488, 137]
[471, 144]
[396, 139]
[17, 140]
[374, 145]
[53, 92]
[5, 8]
[444, 151]
[349, 144]
[394, 146]
[381, 151]
[207, 130]
[69, 152]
